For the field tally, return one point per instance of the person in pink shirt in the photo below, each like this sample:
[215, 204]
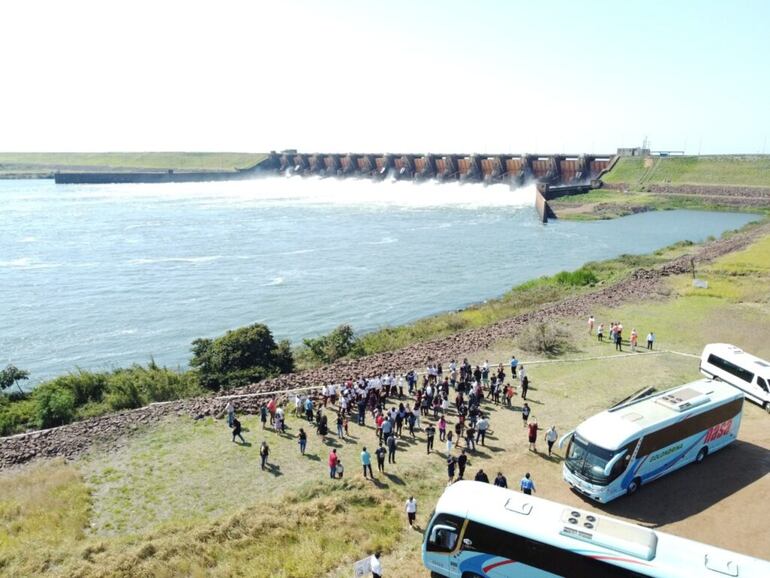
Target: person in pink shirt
[442, 429]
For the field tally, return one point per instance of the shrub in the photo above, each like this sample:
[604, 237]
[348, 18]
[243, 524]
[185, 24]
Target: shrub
[578, 278]
[17, 416]
[55, 405]
[545, 338]
[85, 386]
[331, 347]
[240, 357]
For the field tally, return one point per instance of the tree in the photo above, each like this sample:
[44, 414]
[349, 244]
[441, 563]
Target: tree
[240, 357]
[12, 375]
[331, 347]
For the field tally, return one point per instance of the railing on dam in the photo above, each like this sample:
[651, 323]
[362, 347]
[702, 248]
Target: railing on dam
[516, 170]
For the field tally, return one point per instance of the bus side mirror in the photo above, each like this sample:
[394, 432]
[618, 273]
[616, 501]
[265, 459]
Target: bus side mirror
[439, 533]
[565, 437]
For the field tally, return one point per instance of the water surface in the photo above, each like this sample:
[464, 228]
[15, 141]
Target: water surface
[104, 276]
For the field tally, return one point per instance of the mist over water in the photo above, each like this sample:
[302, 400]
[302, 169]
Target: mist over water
[104, 276]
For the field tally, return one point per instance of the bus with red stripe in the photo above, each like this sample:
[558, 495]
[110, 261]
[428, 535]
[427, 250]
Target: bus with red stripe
[482, 531]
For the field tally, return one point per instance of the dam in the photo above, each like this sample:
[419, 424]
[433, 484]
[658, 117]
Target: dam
[513, 169]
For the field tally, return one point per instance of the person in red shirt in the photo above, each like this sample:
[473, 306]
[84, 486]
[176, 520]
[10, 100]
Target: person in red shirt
[532, 430]
[333, 463]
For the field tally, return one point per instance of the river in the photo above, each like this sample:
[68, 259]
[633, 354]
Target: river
[102, 276]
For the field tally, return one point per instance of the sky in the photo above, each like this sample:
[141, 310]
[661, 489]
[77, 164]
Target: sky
[396, 76]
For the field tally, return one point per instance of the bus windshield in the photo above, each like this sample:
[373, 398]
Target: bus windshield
[590, 461]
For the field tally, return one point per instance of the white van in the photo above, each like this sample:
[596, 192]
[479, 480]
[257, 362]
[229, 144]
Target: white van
[732, 365]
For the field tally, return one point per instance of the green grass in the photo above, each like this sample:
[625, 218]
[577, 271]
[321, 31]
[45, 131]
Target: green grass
[44, 164]
[737, 170]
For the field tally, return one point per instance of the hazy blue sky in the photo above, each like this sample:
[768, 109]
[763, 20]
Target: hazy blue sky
[385, 76]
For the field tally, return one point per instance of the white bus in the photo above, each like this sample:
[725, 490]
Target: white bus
[748, 373]
[479, 530]
[616, 451]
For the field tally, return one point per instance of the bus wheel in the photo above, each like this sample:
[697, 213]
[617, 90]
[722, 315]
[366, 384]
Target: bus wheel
[633, 486]
[704, 451]
[470, 575]
[767, 406]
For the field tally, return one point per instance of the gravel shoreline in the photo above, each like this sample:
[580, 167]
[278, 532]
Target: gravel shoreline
[74, 439]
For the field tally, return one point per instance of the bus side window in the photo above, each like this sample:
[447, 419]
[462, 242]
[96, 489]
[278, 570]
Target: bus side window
[762, 383]
[444, 533]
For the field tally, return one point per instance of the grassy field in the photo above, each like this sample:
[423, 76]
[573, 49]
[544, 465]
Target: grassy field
[739, 170]
[181, 499]
[636, 175]
[13, 165]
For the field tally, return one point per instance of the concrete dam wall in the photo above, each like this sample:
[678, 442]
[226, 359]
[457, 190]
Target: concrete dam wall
[515, 170]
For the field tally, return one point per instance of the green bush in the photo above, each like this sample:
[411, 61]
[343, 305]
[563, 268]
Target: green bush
[17, 415]
[578, 278]
[240, 357]
[55, 405]
[331, 347]
[85, 386]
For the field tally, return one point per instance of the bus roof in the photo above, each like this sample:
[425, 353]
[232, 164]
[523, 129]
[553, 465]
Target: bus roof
[616, 427]
[734, 353]
[556, 524]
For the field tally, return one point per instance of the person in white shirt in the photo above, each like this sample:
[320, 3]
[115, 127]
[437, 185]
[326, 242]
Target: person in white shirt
[550, 438]
[376, 565]
[411, 510]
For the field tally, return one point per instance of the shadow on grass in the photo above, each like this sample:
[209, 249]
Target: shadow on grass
[313, 457]
[395, 479]
[331, 442]
[273, 470]
[494, 449]
[244, 444]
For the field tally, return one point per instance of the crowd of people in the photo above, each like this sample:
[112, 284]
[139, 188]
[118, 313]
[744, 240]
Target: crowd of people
[453, 401]
[397, 407]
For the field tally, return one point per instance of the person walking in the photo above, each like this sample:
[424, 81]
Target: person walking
[302, 441]
[470, 437]
[263, 414]
[391, 443]
[333, 463]
[481, 476]
[500, 480]
[600, 333]
[340, 429]
[264, 451]
[550, 438]
[375, 565]
[237, 430]
[590, 324]
[514, 365]
[462, 461]
[450, 468]
[524, 387]
[449, 443]
[482, 425]
[411, 510]
[340, 469]
[532, 426]
[366, 462]
[634, 339]
[525, 411]
[442, 429]
[618, 339]
[527, 485]
[380, 454]
[230, 411]
[650, 340]
[430, 432]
